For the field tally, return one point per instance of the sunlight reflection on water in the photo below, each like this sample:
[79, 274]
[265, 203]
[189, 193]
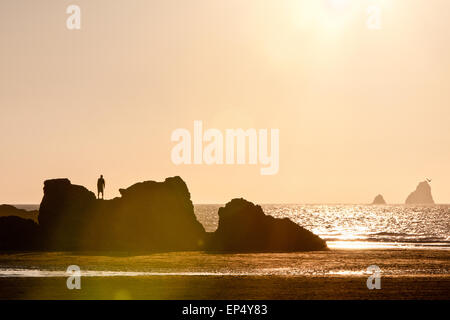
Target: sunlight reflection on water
[360, 226]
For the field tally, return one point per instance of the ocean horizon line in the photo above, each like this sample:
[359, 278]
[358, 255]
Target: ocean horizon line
[285, 203]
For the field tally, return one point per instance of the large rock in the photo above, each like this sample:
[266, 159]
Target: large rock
[243, 227]
[18, 234]
[422, 194]
[379, 200]
[149, 216]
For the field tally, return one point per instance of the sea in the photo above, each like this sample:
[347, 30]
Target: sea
[360, 226]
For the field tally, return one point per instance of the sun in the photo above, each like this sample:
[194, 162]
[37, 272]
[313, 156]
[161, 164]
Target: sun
[339, 4]
[329, 16]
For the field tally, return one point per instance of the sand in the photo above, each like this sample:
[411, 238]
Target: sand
[226, 288]
[410, 274]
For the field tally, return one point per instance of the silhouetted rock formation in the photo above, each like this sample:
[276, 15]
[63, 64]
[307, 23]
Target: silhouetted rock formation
[422, 195]
[18, 234]
[7, 210]
[244, 227]
[379, 200]
[149, 216]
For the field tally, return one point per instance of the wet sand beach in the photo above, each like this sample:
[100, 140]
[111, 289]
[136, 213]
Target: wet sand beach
[334, 274]
[227, 288]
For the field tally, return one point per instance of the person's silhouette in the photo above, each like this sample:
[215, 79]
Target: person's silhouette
[100, 186]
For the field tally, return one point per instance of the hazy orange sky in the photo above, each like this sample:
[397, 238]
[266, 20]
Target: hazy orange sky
[360, 111]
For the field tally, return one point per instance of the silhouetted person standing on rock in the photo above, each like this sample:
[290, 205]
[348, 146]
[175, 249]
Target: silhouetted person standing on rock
[100, 186]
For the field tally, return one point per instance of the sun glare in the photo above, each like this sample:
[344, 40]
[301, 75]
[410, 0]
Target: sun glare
[339, 4]
[328, 15]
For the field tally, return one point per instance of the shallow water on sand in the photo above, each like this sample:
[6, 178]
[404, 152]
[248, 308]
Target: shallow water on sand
[327, 263]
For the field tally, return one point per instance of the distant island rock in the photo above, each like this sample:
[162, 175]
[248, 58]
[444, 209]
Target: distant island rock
[244, 227]
[379, 200]
[422, 194]
[149, 216]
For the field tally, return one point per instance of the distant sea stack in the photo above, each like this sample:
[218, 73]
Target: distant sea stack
[379, 200]
[422, 194]
[243, 227]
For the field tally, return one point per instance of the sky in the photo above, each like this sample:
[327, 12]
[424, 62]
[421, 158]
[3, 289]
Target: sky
[359, 111]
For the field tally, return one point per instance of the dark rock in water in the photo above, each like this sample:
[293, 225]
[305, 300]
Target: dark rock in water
[65, 214]
[18, 234]
[8, 210]
[243, 227]
[422, 195]
[150, 215]
[379, 200]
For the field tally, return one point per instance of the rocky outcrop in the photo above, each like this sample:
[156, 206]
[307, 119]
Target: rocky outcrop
[243, 227]
[18, 234]
[379, 200]
[7, 210]
[150, 216]
[422, 194]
